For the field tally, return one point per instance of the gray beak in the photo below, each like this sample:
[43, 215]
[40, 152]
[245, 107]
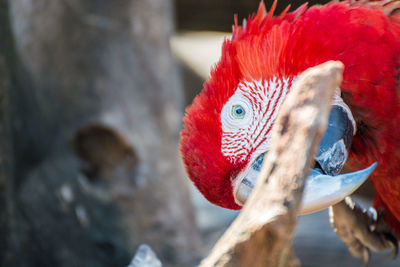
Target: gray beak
[320, 191]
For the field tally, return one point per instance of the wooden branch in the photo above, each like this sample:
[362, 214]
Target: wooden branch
[263, 232]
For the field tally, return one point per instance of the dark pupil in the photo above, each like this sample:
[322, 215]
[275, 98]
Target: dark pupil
[239, 111]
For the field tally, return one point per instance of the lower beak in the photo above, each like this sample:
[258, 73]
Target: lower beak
[320, 191]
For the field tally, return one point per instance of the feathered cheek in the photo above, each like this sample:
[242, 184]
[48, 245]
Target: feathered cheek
[236, 117]
[247, 117]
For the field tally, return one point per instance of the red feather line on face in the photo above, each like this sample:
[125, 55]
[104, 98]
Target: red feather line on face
[361, 36]
[247, 139]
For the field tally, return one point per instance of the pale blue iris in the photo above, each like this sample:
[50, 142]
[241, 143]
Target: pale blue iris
[238, 112]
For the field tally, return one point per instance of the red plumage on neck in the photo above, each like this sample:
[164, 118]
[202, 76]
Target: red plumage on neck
[360, 35]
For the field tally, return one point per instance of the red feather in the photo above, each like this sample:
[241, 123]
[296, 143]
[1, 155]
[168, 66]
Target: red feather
[364, 36]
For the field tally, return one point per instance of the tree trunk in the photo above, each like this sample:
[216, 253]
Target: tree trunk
[6, 156]
[95, 105]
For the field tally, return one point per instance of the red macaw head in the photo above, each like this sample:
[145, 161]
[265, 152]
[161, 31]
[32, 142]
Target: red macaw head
[227, 128]
[228, 125]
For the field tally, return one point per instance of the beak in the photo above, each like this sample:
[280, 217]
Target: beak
[320, 191]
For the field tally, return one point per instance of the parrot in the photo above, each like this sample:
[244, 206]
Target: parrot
[226, 130]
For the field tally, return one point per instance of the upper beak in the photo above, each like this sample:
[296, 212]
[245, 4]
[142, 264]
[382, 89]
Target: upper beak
[320, 191]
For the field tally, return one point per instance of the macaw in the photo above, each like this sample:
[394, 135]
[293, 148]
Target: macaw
[227, 129]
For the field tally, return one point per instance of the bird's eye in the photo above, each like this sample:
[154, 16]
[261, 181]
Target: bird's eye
[238, 112]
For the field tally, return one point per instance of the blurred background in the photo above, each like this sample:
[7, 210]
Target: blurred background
[92, 96]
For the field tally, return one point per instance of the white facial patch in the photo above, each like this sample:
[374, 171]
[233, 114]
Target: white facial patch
[248, 116]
